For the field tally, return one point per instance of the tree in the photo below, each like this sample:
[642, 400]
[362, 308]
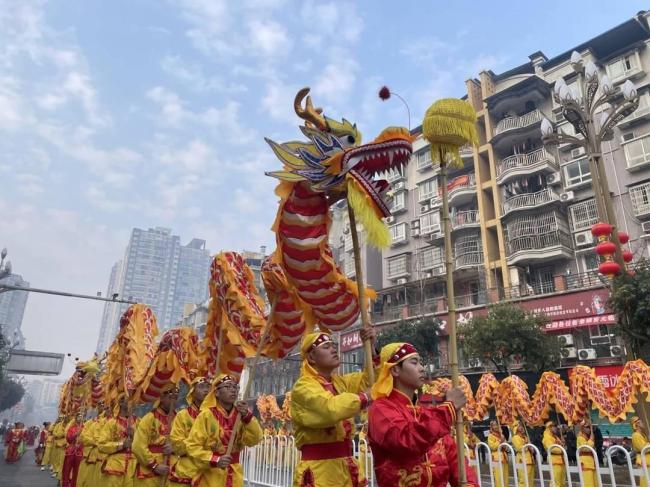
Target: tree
[11, 391]
[422, 333]
[510, 334]
[630, 300]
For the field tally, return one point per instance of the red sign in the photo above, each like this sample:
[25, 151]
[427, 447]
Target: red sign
[559, 325]
[607, 374]
[350, 341]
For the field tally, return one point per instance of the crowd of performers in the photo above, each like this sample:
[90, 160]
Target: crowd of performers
[410, 436]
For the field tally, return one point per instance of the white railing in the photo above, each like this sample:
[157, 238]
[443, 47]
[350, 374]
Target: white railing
[471, 259]
[454, 185]
[528, 160]
[464, 218]
[512, 123]
[539, 241]
[529, 200]
[272, 464]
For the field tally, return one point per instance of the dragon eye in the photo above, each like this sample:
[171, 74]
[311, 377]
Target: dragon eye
[351, 139]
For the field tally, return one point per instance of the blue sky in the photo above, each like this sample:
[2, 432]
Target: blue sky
[152, 113]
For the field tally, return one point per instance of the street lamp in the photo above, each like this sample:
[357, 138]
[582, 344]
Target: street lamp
[5, 267]
[593, 113]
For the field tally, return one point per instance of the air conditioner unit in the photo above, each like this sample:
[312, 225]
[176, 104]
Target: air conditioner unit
[390, 219]
[399, 185]
[435, 202]
[645, 226]
[474, 363]
[402, 280]
[424, 208]
[566, 197]
[575, 153]
[553, 178]
[415, 223]
[584, 238]
[428, 274]
[616, 351]
[439, 270]
[601, 339]
[415, 232]
[566, 340]
[627, 136]
[586, 354]
[569, 352]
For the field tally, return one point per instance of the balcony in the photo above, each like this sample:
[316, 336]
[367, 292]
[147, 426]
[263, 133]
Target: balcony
[530, 200]
[641, 113]
[469, 260]
[534, 248]
[465, 219]
[515, 123]
[462, 189]
[525, 164]
[640, 196]
[467, 151]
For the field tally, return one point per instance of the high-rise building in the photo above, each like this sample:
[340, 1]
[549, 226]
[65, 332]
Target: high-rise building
[12, 310]
[159, 272]
[521, 212]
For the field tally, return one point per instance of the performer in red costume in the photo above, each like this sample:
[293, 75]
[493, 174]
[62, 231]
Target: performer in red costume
[73, 452]
[411, 443]
[15, 443]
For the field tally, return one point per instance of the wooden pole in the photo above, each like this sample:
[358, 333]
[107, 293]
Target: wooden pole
[170, 418]
[253, 367]
[365, 319]
[451, 320]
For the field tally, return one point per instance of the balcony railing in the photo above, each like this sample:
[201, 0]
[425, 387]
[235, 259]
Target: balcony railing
[538, 242]
[464, 218]
[523, 161]
[467, 151]
[471, 259]
[530, 200]
[468, 181]
[512, 123]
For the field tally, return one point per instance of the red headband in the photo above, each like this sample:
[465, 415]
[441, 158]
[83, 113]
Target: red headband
[321, 340]
[402, 353]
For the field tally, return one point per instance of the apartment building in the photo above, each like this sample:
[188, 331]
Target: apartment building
[522, 212]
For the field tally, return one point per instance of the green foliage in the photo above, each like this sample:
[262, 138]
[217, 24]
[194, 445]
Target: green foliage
[11, 391]
[630, 300]
[423, 334]
[507, 334]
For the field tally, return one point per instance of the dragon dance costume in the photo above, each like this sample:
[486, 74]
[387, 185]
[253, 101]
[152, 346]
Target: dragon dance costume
[524, 459]
[555, 456]
[411, 443]
[118, 466]
[323, 414]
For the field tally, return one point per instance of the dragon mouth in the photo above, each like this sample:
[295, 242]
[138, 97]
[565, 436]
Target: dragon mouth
[369, 164]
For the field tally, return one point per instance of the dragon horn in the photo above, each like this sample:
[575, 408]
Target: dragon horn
[309, 114]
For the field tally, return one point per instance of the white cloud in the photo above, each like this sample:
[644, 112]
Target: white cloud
[194, 158]
[337, 80]
[269, 38]
[331, 22]
[278, 101]
[193, 76]
[29, 184]
[170, 104]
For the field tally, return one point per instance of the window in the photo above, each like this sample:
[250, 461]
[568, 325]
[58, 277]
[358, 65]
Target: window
[350, 269]
[637, 151]
[640, 196]
[590, 261]
[430, 223]
[583, 215]
[398, 232]
[399, 265]
[430, 257]
[428, 189]
[623, 66]
[423, 159]
[399, 201]
[577, 172]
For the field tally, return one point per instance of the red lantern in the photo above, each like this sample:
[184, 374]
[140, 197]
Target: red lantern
[605, 248]
[609, 268]
[601, 229]
[623, 237]
[627, 255]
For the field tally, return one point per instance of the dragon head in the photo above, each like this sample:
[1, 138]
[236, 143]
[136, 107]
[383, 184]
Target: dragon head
[335, 162]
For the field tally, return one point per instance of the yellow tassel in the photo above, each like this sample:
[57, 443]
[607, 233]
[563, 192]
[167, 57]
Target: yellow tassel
[377, 233]
[449, 124]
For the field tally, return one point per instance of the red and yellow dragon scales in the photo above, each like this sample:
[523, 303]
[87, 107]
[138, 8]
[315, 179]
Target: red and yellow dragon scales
[301, 278]
[511, 399]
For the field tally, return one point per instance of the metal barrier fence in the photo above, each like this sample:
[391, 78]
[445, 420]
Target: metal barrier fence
[273, 461]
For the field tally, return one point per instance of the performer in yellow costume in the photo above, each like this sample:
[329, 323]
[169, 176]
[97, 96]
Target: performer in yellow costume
[151, 444]
[524, 457]
[471, 440]
[323, 407]
[49, 442]
[211, 432]
[183, 468]
[114, 441]
[59, 444]
[555, 456]
[587, 461]
[95, 478]
[501, 468]
[639, 441]
[86, 477]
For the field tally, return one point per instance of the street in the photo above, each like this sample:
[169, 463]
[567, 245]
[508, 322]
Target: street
[25, 473]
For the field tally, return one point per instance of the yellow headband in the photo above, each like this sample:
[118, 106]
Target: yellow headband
[193, 384]
[390, 356]
[309, 343]
[210, 400]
